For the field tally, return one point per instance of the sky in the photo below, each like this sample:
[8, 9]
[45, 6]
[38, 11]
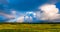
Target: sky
[29, 10]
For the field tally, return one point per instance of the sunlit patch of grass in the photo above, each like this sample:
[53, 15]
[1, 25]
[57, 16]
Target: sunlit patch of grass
[30, 27]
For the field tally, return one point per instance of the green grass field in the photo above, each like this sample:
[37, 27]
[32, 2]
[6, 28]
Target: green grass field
[29, 27]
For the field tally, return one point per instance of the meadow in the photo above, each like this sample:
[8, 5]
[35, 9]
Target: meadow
[29, 27]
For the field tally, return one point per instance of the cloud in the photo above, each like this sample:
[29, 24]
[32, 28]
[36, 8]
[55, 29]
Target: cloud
[9, 16]
[50, 12]
[20, 19]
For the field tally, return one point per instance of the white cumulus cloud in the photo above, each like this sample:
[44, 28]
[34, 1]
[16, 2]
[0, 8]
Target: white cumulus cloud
[50, 12]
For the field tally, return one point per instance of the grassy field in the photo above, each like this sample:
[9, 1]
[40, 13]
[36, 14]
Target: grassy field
[29, 27]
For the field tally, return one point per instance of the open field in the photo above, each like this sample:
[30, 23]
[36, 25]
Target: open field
[29, 27]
